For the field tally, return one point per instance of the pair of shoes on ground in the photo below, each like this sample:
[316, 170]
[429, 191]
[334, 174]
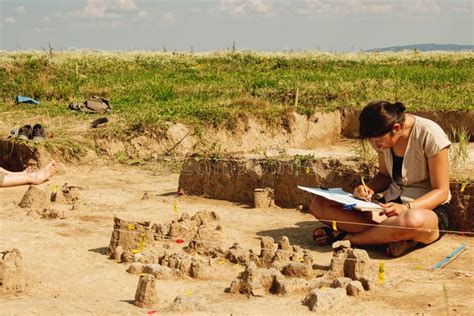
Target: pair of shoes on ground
[26, 132]
[93, 104]
[326, 236]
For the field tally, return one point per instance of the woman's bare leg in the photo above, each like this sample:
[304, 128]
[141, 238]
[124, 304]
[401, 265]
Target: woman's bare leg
[327, 211]
[12, 179]
[5, 171]
[416, 224]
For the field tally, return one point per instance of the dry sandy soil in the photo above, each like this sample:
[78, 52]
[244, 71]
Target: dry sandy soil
[68, 271]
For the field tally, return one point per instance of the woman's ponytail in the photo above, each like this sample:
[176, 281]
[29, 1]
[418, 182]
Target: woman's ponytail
[400, 107]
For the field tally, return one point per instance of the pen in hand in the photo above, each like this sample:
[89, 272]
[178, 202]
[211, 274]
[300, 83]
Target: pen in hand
[367, 198]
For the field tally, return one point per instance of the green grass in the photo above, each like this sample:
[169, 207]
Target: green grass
[217, 89]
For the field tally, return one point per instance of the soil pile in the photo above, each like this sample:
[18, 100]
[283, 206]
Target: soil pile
[12, 277]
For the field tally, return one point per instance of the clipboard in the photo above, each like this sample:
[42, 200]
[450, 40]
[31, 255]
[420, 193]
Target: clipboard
[347, 200]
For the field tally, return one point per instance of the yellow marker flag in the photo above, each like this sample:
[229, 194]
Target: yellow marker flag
[55, 188]
[463, 186]
[381, 272]
[131, 226]
[142, 242]
[188, 293]
[175, 207]
[334, 227]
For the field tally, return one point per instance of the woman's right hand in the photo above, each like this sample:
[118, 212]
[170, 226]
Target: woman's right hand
[360, 192]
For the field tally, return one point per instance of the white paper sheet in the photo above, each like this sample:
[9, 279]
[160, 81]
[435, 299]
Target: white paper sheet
[346, 199]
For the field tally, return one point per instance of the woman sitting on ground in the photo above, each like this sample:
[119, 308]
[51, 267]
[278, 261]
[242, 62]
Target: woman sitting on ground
[27, 176]
[413, 173]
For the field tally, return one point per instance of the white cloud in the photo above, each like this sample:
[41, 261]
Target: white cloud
[261, 6]
[142, 14]
[360, 7]
[235, 7]
[126, 4]
[105, 8]
[168, 17]
[348, 7]
[242, 7]
[10, 20]
[20, 10]
[316, 6]
[46, 20]
[422, 7]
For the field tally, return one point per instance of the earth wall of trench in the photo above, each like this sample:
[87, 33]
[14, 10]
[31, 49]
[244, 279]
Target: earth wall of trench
[235, 180]
[448, 120]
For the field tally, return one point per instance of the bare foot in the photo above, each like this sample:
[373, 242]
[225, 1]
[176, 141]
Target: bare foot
[28, 169]
[44, 174]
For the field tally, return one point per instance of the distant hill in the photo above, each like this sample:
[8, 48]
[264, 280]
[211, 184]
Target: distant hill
[424, 47]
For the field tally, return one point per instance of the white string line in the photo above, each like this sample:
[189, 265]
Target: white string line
[273, 250]
[462, 233]
[430, 230]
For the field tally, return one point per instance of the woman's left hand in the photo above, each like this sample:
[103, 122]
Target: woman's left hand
[392, 209]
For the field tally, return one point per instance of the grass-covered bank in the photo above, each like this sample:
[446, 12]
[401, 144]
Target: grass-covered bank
[148, 88]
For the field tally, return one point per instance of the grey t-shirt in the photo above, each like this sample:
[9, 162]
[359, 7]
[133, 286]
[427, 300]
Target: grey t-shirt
[426, 140]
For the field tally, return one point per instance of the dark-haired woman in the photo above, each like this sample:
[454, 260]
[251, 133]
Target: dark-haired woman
[413, 173]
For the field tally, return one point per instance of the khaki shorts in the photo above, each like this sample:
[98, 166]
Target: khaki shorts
[2, 176]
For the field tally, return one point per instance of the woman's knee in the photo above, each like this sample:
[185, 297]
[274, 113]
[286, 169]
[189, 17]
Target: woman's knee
[412, 220]
[409, 223]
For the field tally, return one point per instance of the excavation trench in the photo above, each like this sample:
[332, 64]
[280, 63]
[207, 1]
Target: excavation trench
[332, 162]
[310, 151]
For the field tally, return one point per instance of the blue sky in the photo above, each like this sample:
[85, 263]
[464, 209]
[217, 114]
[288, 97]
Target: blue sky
[263, 25]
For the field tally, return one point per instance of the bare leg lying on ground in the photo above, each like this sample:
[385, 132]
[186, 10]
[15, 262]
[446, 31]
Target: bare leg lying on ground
[5, 171]
[415, 224]
[11, 179]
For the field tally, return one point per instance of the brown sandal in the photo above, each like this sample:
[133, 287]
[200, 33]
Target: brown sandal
[327, 237]
[399, 248]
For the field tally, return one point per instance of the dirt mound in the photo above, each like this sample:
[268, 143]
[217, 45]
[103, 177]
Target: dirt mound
[128, 239]
[188, 303]
[65, 194]
[146, 243]
[146, 295]
[34, 198]
[186, 226]
[264, 198]
[46, 213]
[169, 265]
[12, 277]
[276, 271]
[279, 269]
